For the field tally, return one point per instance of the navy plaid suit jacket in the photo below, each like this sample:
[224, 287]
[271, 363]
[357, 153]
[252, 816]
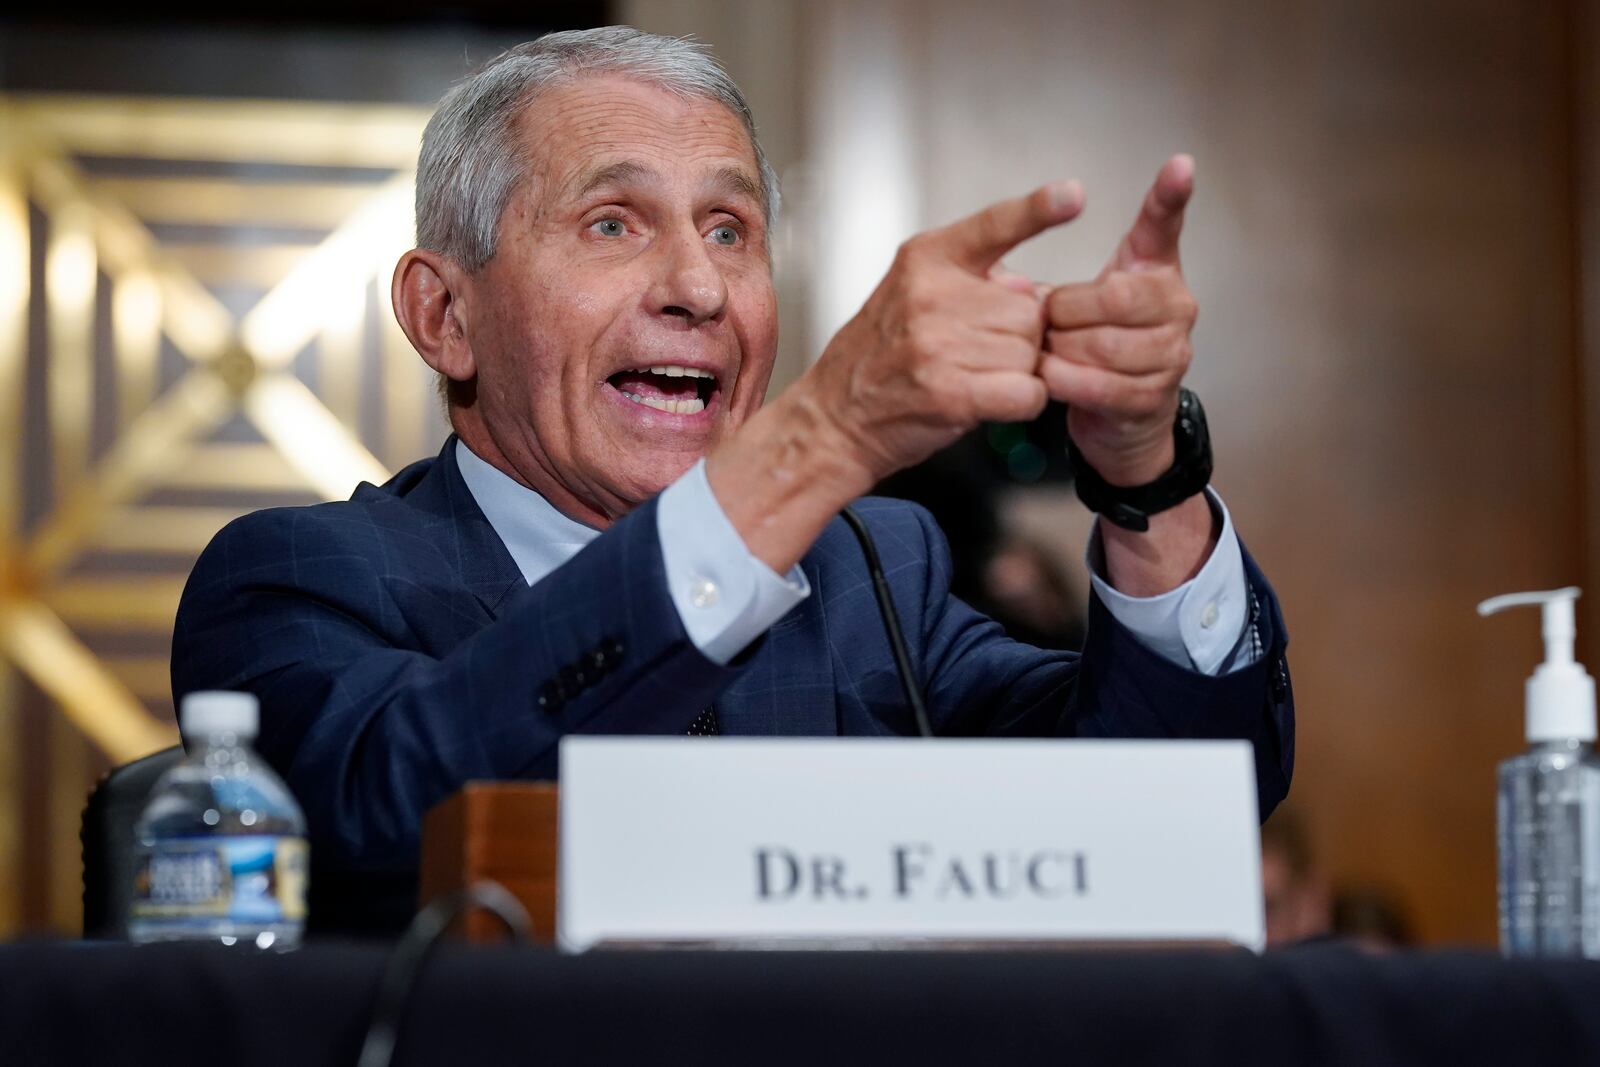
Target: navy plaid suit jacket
[398, 653]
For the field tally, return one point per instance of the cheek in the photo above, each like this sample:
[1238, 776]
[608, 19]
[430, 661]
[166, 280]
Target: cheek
[522, 360]
[537, 332]
[584, 304]
[572, 318]
[758, 339]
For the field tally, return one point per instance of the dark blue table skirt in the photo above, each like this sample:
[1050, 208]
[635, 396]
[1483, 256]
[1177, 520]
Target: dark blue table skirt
[86, 1003]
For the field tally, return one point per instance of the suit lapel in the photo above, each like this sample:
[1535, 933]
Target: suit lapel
[457, 525]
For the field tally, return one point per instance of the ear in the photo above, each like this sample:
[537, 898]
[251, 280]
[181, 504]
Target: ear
[428, 293]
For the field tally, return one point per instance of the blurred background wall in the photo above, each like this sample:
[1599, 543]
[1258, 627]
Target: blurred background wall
[1393, 245]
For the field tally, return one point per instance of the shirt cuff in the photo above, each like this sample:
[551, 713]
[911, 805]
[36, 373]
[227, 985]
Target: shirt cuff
[1201, 623]
[725, 596]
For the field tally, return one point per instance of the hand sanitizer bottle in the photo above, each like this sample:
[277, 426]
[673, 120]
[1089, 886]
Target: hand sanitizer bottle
[1549, 801]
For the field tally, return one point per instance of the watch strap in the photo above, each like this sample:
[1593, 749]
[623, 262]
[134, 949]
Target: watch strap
[1131, 506]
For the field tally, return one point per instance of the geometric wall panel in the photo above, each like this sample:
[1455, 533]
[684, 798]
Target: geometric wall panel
[194, 323]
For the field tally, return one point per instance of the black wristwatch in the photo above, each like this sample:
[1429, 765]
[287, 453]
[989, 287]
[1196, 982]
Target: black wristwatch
[1131, 506]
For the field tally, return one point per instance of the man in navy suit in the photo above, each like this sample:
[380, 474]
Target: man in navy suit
[620, 538]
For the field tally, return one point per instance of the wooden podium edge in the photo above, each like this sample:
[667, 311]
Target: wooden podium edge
[501, 831]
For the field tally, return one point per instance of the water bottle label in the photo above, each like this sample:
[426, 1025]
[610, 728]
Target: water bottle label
[257, 878]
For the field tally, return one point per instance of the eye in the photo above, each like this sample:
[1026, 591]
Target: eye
[725, 235]
[609, 228]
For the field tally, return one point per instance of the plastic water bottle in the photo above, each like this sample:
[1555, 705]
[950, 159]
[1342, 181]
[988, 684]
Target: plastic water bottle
[222, 853]
[1549, 801]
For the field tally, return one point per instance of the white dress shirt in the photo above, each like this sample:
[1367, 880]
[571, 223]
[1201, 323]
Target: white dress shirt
[727, 597]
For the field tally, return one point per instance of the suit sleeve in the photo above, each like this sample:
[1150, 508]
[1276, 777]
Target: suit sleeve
[369, 732]
[981, 681]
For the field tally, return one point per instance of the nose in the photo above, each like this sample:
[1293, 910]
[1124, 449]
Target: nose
[689, 285]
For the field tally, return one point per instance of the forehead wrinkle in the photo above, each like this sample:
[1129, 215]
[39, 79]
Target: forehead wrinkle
[624, 172]
[606, 116]
[731, 181]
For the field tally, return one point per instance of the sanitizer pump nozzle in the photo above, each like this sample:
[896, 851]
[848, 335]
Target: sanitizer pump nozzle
[1560, 693]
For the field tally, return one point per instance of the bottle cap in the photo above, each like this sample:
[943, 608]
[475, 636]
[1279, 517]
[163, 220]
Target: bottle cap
[1560, 693]
[219, 712]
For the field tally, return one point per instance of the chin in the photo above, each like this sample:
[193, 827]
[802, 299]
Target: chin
[642, 485]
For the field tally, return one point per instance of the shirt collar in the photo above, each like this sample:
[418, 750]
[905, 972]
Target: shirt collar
[538, 537]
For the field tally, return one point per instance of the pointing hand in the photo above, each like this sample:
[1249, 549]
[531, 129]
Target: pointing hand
[1116, 349]
[945, 341]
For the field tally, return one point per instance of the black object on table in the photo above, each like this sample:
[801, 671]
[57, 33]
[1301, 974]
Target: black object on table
[106, 833]
[82, 1003]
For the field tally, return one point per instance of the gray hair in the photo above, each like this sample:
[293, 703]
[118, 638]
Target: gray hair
[470, 164]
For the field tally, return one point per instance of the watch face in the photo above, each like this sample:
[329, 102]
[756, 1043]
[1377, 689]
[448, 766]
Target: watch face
[1192, 422]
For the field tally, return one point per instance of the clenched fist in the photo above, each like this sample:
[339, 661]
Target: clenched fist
[1117, 348]
[942, 343]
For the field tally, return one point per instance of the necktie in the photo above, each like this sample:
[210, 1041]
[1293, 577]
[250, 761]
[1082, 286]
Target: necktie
[705, 724]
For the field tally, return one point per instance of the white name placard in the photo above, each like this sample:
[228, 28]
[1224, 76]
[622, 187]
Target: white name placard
[851, 841]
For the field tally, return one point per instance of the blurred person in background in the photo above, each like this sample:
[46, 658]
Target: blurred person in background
[1028, 592]
[1300, 905]
[1293, 890]
[1371, 918]
[1013, 580]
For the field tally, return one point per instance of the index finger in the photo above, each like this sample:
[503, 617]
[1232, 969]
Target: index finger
[1154, 237]
[978, 241]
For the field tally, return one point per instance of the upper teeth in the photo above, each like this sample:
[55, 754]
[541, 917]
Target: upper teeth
[675, 371]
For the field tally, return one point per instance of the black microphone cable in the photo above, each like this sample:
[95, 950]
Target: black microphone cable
[891, 623]
[413, 950]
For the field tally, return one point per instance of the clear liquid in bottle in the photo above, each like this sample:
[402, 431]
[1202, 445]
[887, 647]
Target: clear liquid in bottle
[221, 850]
[1549, 848]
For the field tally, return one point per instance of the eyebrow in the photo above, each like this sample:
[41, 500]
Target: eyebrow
[624, 173]
[733, 181]
[736, 181]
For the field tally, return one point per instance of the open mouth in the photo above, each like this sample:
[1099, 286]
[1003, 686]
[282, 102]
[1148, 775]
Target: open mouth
[675, 389]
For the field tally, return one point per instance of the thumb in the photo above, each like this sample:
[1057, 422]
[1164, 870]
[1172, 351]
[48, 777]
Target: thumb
[1019, 283]
[1154, 236]
[978, 241]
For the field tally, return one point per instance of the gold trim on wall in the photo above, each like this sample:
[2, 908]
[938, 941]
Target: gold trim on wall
[15, 286]
[223, 201]
[257, 131]
[244, 369]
